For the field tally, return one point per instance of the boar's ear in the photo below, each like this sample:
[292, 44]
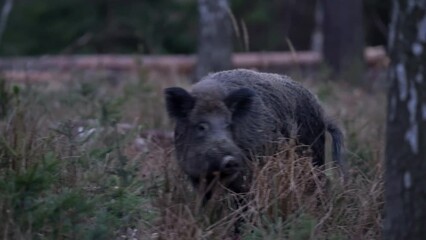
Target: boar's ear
[178, 102]
[239, 101]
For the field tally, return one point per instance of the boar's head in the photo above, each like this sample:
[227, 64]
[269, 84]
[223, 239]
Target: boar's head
[204, 134]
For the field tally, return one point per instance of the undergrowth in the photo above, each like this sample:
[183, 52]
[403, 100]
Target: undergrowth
[93, 160]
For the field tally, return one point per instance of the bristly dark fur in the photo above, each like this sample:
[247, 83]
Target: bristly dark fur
[239, 102]
[262, 108]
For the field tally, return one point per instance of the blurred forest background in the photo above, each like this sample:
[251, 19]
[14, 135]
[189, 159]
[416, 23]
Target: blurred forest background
[37, 27]
[86, 146]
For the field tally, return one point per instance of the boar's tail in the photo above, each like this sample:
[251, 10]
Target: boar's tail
[338, 159]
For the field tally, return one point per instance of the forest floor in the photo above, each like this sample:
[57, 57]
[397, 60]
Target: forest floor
[91, 158]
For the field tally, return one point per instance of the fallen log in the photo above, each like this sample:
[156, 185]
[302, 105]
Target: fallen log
[41, 68]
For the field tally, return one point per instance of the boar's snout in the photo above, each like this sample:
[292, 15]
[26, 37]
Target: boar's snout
[230, 164]
[226, 166]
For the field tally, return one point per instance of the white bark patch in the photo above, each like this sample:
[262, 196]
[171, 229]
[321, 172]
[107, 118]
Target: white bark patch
[419, 77]
[407, 180]
[411, 5]
[412, 104]
[412, 134]
[412, 138]
[417, 49]
[421, 26]
[401, 75]
[223, 4]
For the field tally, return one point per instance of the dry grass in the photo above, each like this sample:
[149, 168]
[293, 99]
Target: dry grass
[83, 162]
[289, 199]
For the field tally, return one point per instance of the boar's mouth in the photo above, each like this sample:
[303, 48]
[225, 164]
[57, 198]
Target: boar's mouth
[228, 173]
[212, 179]
[224, 177]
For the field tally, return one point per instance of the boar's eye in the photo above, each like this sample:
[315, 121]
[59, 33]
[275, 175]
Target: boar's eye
[202, 127]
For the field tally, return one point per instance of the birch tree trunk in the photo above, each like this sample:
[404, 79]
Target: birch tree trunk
[215, 37]
[405, 176]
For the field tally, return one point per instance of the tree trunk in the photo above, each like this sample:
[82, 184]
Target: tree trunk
[215, 37]
[344, 38]
[317, 38]
[7, 8]
[405, 176]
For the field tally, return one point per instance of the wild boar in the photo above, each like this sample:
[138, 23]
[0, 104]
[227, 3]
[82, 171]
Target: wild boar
[228, 117]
